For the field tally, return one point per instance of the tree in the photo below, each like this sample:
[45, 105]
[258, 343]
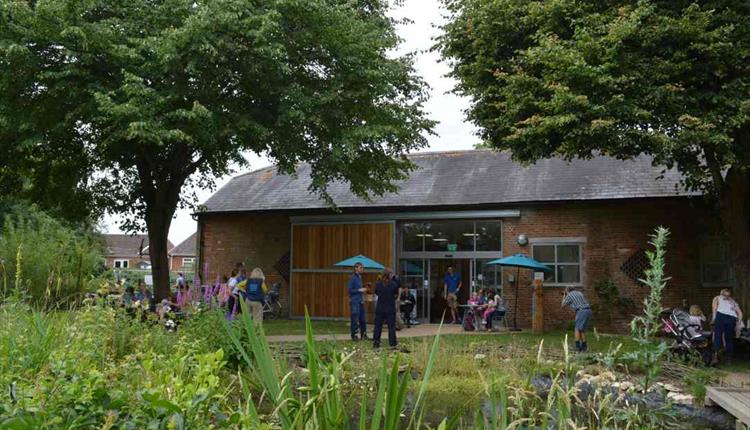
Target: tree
[163, 95]
[577, 78]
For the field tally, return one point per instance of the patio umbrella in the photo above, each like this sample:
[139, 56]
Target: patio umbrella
[519, 261]
[367, 263]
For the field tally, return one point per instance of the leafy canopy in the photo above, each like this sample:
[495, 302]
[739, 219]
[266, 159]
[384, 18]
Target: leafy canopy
[150, 92]
[577, 78]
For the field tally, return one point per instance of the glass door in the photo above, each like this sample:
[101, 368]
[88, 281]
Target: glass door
[413, 274]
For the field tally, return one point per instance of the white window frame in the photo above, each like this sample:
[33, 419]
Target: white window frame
[555, 242]
[124, 263]
[188, 260]
[730, 269]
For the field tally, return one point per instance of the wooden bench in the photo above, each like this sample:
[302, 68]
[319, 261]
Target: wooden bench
[734, 400]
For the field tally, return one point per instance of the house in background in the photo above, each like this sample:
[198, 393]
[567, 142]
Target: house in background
[124, 251]
[182, 256]
[589, 220]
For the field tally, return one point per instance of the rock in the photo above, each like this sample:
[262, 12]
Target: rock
[480, 356]
[626, 386]
[604, 378]
[672, 388]
[680, 399]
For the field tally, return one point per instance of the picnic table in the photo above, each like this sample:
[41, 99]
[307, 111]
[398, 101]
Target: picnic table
[471, 310]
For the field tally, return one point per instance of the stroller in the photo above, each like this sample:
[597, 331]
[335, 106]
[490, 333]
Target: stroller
[688, 340]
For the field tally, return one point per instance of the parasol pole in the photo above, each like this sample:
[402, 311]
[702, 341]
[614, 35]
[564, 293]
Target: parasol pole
[515, 304]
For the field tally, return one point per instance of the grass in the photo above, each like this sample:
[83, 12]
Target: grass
[297, 327]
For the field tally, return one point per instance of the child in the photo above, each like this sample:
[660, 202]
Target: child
[696, 321]
[474, 299]
[489, 309]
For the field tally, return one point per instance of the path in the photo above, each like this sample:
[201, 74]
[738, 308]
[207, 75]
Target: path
[422, 330]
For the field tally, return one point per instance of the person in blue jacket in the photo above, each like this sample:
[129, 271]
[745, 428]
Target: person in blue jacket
[357, 303]
[385, 309]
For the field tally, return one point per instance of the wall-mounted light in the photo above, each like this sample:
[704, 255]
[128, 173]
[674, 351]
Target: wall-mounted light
[522, 240]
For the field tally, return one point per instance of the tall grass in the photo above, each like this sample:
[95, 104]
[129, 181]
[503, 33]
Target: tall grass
[319, 402]
[59, 261]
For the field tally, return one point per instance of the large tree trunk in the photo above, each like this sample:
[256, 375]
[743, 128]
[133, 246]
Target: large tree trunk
[158, 236]
[734, 208]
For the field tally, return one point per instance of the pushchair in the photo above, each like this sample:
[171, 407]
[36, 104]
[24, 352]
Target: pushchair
[687, 339]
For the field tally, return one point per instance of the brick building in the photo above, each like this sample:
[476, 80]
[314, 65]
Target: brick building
[125, 251]
[182, 256]
[588, 219]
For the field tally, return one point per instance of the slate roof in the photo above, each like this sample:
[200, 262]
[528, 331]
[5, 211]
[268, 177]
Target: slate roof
[461, 178]
[186, 248]
[125, 245]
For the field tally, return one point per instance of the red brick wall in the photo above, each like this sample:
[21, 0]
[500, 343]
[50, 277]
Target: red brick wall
[256, 240]
[132, 262]
[613, 231]
[178, 265]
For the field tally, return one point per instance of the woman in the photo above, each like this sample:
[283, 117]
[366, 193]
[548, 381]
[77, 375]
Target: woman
[233, 305]
[385, 309]
[726, 312]
[255, 294]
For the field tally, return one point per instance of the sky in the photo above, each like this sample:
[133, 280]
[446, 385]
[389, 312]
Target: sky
[452, 130]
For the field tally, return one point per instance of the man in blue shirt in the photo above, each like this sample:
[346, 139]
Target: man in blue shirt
[452, 284]
[356, 303]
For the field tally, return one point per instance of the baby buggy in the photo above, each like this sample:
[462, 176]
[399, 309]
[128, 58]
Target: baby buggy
[689, 340]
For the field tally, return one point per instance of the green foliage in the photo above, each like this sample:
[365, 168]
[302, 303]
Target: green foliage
[53, 263]
[645, 327]
[159, 96]
[575, 78]
[583, 78]
[697, 379]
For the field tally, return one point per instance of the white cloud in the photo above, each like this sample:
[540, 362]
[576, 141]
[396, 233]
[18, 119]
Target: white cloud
[453, 132]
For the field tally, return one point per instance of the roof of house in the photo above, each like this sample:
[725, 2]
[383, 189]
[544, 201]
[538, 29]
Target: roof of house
[461, 178]
[126, 245]
[186, 248]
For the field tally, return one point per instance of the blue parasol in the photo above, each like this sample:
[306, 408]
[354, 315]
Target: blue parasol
[367, 263]
[518, 261]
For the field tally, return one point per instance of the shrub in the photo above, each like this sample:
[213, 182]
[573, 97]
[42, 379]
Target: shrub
[53, 262]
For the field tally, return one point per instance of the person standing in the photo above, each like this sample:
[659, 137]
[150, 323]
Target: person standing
[577, 301]
[255, 294]
[356, 303]
[385, 309]
[452, 285]
[181, 283]
[725, 315]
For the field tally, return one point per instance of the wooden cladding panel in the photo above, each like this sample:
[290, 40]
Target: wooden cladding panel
[322, 246]
[324, 294]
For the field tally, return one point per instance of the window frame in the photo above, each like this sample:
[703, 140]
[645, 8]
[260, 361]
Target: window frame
[554, 266]
[124, 263]
[731, 276]
[188, 260]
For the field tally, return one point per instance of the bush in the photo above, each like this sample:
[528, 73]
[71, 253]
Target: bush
[45, 260]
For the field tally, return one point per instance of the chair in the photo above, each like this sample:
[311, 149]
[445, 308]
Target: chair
[499, 315]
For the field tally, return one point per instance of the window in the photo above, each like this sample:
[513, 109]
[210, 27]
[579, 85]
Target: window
[565, 261]
[489, 235]
[716, 267]
[121, 264]
[489, 276]
[452, 236]
[449, 236]
[188, 261]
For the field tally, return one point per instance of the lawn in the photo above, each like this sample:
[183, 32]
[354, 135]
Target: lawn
[297, 327]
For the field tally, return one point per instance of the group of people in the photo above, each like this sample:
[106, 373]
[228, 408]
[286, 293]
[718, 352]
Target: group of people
[486, 303]
[240, 286]
[394, 305]
[726, 319]
[250, 288]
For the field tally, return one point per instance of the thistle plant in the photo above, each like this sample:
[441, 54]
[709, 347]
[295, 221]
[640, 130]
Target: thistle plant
[644, 327]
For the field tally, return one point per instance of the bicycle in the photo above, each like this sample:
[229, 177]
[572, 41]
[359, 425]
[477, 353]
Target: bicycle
[272, 305]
